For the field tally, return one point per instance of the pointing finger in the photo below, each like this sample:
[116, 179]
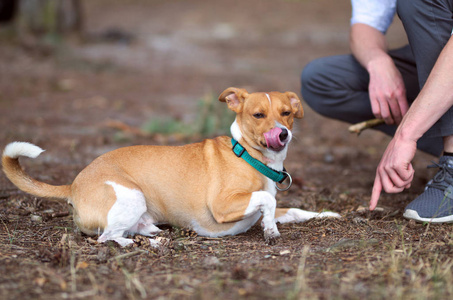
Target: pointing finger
[377, 188]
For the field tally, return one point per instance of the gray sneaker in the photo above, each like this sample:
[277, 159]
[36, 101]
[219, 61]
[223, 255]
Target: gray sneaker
[435, 204]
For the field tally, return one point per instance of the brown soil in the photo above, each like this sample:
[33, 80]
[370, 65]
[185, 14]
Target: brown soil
[147, 59]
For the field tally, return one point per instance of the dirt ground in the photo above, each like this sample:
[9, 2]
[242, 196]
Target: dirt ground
[141, 60]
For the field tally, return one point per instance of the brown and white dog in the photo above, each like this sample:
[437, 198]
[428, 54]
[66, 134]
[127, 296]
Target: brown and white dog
[203, 186]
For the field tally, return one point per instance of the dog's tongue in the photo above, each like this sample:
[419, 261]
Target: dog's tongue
[273, 139]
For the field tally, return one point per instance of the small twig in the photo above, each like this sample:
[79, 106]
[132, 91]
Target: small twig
[125, 255]
[359, 127]
[60, 214]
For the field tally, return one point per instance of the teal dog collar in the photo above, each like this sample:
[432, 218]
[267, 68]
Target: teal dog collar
[274, 175]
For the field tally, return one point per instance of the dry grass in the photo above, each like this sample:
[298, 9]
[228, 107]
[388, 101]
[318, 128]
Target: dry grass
[321, 259]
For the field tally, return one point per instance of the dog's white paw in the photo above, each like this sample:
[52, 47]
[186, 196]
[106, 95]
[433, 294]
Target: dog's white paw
[271, 235]
[123, 242]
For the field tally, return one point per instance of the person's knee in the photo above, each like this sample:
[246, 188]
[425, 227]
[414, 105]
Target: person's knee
[330, 82]
[311, 73]
[407, 10]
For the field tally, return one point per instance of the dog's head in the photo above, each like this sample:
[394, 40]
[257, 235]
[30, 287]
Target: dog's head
[264, 120]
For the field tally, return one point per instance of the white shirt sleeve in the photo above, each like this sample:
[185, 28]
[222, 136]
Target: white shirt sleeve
[375, 13]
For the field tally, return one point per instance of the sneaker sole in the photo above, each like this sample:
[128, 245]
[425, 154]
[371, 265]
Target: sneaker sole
[413, 215]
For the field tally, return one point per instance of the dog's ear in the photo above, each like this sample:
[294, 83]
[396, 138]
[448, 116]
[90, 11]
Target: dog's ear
[296, 105]
[234, 97]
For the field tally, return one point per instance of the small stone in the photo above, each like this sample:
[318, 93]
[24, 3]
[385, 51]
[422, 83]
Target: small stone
[362, 209]
[411, 224]
[35, 218]
[285, 252]
[359, 220]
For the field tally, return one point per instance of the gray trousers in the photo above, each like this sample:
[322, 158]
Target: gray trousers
[337, 86]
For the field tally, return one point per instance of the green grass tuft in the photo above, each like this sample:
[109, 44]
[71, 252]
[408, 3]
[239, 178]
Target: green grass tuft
[211, 119]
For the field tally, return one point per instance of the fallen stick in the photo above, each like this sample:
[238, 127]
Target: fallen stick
[359, 127]
[60, 214]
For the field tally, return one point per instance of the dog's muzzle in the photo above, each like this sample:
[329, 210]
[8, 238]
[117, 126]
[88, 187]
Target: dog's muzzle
[276, 138]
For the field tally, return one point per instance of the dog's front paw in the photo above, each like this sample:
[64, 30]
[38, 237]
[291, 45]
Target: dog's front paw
[271, 241]
[271, 236]
[328, 214]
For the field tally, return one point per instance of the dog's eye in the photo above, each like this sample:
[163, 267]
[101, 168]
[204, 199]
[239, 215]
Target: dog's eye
[259, 115]
[286, 113]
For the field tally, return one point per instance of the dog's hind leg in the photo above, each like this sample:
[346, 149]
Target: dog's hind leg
[145, 226]
[127, 215]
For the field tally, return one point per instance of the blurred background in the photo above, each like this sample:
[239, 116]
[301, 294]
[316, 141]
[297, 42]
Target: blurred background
[135, 60]
[82, 77]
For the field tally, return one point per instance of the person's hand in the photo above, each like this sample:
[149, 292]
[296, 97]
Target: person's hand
[387, 91]
[395, 172]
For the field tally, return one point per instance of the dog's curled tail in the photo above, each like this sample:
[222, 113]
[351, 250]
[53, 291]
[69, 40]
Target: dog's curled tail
[15, 173]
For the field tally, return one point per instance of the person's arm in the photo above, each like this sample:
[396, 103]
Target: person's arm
[395, 172]
[434, 99]
[386, 88]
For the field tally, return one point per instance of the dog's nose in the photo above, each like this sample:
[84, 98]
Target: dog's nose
[283, 135]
